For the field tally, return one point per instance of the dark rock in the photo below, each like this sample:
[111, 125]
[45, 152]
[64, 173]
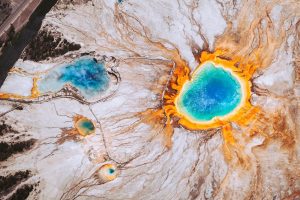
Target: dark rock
[5, 10]
[22, 193]
[47, 44]
[5, 128]
[8, 149]
[8, 183]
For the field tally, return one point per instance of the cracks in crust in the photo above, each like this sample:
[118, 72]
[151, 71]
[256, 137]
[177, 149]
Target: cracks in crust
[262, 125]
[196, 49]
[82, 187]
[14, 107]
[102, 136]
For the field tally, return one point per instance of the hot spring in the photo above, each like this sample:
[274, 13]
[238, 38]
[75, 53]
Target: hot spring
[211, 93]
[86, 74]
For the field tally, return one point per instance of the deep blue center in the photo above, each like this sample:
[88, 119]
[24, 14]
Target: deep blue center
[213, 92]
[85, 74]
[111, 171]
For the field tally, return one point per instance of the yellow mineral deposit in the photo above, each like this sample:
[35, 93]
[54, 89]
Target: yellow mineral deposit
[34, 92]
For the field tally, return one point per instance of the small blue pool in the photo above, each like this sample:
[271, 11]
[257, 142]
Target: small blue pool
[213, 92]
[86, 74]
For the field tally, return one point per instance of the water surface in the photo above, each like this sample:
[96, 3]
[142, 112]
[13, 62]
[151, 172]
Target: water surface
[213, 92]
[85, 74]
[85, 126]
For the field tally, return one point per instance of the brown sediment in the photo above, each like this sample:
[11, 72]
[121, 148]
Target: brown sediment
[294, 196]
[257, 40]
[273, 126]
[157, 120]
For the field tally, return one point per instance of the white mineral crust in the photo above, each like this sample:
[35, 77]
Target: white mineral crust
[195, 166]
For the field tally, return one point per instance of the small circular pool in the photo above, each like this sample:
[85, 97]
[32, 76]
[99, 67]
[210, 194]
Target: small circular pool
[212, 92]
[85, 126]
[107, 172]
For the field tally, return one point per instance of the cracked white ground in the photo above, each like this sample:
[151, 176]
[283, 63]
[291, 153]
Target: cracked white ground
[143, 39]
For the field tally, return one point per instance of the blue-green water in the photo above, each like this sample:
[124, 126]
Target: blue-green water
[86, 126]
[213, 92]
[85, 74]
[111, 171]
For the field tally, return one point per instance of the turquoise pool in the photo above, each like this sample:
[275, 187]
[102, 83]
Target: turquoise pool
[212, 92]
[85, 74]
[85, 126]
